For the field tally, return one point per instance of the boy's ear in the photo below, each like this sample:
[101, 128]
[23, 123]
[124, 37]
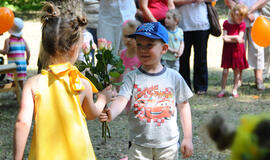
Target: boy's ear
[165, 48]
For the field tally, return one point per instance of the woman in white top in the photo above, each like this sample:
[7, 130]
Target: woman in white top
[196, 27]
[112, 14]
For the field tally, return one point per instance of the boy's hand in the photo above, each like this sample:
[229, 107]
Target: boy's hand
[186, 148]
[108, 92]
[105, 116]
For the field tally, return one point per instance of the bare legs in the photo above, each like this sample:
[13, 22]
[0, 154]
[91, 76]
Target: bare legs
[259, 79]
[237, 82]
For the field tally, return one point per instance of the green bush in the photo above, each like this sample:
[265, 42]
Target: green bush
[22, 5]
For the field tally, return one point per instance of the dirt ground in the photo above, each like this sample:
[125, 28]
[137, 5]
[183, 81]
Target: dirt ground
[203, 108]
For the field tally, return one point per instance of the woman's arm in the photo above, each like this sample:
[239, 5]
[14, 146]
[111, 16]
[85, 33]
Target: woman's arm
[146, 11]
[24, 120]
[183, 2]
[229, 3]
[171, 4]
[257, 5]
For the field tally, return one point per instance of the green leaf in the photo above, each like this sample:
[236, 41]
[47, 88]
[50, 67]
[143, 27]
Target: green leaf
[120, 68]
[117, 83]
[113, 73]
[94, 80]
[115, 60]
[107, 54]
[80, 65]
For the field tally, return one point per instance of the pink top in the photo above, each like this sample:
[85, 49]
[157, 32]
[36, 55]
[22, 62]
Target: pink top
[158, 8]
[130, 63]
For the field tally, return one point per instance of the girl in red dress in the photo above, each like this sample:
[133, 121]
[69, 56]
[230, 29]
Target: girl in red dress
[234, 54]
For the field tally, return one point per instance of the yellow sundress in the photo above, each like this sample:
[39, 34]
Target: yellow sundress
[60, 130]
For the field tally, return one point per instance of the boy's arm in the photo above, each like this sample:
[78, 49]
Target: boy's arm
[181, 49]
[185, 115]
[6, 47]
[24, 120]
[27, 53]
[117, 106]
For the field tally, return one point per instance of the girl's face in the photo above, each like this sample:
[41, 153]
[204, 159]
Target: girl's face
[128, 42]
[237, 18]
[170, 22]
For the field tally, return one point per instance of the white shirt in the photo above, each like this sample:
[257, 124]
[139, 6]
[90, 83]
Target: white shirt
[115, 12]
[194, 17]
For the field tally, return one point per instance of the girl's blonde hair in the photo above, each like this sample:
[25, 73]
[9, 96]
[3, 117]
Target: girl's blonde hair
[61, 29]
[175, 14]
[130, 25]
[241, 8]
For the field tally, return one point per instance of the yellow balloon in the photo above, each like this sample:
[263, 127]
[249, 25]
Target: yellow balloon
[260, 31]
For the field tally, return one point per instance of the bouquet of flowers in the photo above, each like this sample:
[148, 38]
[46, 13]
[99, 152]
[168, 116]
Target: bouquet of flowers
[105, 71]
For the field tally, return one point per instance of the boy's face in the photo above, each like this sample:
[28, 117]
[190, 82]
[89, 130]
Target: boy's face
[149, 51]
[170, 22]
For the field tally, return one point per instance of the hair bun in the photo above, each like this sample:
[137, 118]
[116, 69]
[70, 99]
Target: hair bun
[49, 11]
[82, 21]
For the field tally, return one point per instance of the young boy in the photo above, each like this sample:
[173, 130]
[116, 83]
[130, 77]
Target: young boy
[176, 40]
[156, 91]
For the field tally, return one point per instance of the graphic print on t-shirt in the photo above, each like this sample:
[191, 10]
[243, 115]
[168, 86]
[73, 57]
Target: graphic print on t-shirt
[153, 105]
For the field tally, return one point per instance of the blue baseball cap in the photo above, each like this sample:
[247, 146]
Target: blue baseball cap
[154, 30]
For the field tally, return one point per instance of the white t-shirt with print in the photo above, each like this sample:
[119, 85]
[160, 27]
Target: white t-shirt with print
[153, 114]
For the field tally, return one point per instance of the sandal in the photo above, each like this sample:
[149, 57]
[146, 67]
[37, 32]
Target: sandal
[200, 92]
[235, 95]
[260, 86]
[220, 95]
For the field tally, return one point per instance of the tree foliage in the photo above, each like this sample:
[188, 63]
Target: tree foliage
[23, 5]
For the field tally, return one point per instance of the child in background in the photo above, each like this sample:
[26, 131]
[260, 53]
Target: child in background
[156, 92]
[60, 98]
[234, 54]
[176, 40]
[128, 54]
[87, 38]
[15, 48]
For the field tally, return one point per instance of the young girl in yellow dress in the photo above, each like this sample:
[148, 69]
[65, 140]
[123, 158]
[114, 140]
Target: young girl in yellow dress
[60, 98]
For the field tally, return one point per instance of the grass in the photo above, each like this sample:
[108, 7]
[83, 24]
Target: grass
[251, 101]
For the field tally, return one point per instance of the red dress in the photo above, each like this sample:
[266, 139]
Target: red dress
[234, 54]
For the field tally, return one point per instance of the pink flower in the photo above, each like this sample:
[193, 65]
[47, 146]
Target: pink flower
[102, 43]
[86, 48]
[109, 45]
